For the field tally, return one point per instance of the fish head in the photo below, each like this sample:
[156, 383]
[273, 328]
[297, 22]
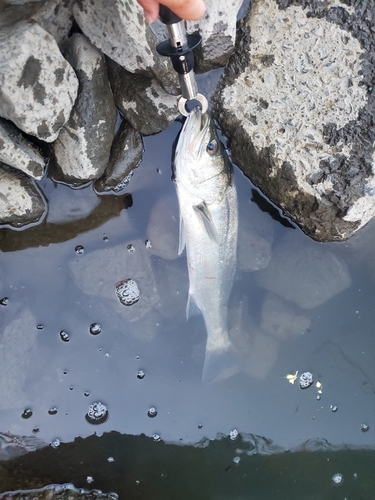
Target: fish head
[201, 162]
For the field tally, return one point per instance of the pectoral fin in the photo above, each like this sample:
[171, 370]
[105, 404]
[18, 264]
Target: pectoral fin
[203, 212]
[182, 237]
[191, 308]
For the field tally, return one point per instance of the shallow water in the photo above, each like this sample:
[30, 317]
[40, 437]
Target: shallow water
[55, 286]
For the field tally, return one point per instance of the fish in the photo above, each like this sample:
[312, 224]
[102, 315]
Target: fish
[208, 207]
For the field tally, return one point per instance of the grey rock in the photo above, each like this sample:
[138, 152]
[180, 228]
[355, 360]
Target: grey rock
[143, 102]
[97, 274]
[218, 31]
[55, 16]
[18, 350]
[37, 85]
[126, 154]
[297, 102]
[119, 30]
[20, 202]
[60, 492]
[163, 228]
[17, 152]
[282, 319]
[302, 272]
[83, 147]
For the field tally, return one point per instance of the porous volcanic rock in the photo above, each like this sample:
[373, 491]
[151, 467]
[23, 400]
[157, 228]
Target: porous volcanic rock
[83, 147]
[20, 202]
[297, 101]
[37, 85]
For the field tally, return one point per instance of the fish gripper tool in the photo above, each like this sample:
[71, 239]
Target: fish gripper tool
[179, 47]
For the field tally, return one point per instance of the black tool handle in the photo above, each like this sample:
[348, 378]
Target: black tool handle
[167, 16]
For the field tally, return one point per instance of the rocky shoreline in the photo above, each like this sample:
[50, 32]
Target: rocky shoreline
[81, 83]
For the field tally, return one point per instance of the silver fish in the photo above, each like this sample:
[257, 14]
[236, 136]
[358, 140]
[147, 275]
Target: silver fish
[208, 229]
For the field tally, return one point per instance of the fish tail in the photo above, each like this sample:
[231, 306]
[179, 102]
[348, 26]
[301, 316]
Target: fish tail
[219, 365]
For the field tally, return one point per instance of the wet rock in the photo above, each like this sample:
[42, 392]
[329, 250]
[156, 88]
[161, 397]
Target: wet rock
[67, 205]
[304, 273]
[218, 31]
[15, 446]
[163, 228]
[143, 102]
[282, 319]
[37, 85]
[83, 146]
[60, 492]
[54, 16]
[256, 351]
[297, 102]
[172, 282]
[126, 154]
[21, 202]
[17, 152]
[119, 30]
[97, 274]
[18, 350]
[253, 249]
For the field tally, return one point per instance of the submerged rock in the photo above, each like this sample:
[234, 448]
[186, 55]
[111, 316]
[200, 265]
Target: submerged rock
[17, 152]
[143, 102]
[18, 350]
[126, 154]
[60, 492]
[37, 85]
[83, 147]
[99, 272]
[302, 272]
[163, 228]
[282, 319]
[15, 446]
[120, 31]
[21, 202]
[172, 282]
[297, 102]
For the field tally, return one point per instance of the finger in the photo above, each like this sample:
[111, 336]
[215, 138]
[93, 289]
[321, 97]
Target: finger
[151, 9]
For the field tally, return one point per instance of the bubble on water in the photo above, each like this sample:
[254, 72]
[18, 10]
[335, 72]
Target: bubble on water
[36, 430]
[364, 427]
[148, 244]
[137, 356]
[158, 171]
[137, 482]
[130, 248]
[64, 336]
[156, 437]
[95, 329]
[86, 393]
[334, 408]
[27, 413]
[237, 460]
[233, 435]
[110, 459]
[152, 412]
[140, 374]
[89, 479]
[200, 426]
[318, 397]
[355, 475]
[55, 443]
[97, 414]
[105, 238]
[4, 301]
[39, 327]
[71, 388]
[127, 291]
[65, 372]
[306, 380]
[53, 410]
[79, 249]
[337, 478]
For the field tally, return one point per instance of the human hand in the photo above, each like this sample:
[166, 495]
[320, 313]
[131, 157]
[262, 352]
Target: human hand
[191, 10]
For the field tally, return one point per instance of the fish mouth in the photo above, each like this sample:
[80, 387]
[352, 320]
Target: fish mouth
[193, 132]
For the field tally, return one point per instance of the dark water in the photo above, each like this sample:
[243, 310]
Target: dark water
[54, 287]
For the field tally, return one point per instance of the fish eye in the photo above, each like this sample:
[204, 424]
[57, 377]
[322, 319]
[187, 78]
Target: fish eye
[212, 147]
